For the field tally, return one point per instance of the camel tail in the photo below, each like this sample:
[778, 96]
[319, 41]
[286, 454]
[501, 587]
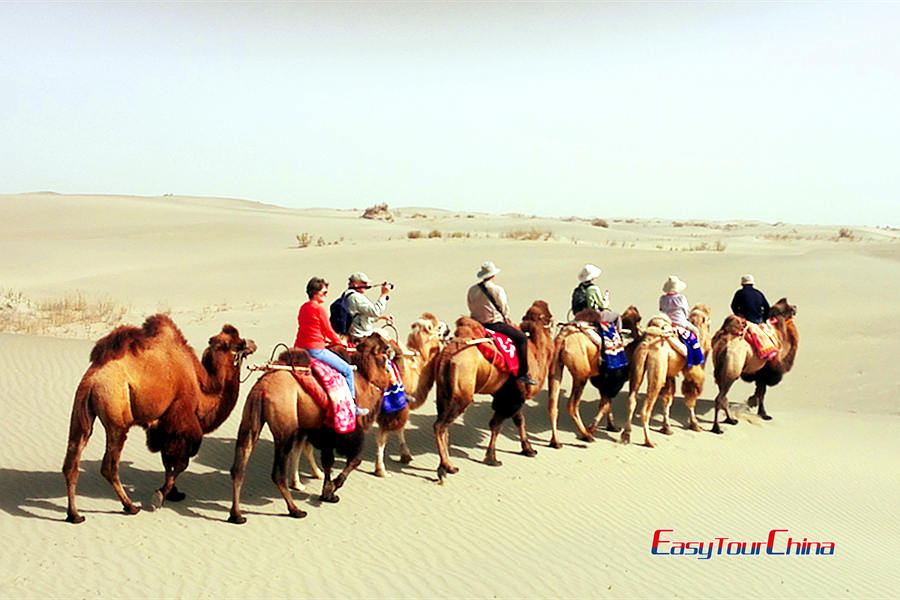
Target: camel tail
[82, 420]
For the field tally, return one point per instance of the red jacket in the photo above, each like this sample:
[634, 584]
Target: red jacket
[314, 330]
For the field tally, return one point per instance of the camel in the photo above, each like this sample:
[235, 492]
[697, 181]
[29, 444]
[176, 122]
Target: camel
[574, 350]
[150, 376]
[462, 371]
[733, 358]
[655, 358]
[293, 417]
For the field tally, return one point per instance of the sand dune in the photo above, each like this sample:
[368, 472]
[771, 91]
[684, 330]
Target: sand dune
[568, 523]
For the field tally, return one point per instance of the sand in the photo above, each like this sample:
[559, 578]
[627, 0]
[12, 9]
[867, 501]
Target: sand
[574, 522]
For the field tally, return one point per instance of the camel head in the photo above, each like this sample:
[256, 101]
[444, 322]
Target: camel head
[226, 348]
[371, 360]
[631, 318]
[427, 334]
[700, 316]
[783, 309]
[539, 314]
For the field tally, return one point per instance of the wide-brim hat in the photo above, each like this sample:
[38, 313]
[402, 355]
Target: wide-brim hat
[673, 284]
[748, 280]
[359, 277]
[488, 269]
[588, 272]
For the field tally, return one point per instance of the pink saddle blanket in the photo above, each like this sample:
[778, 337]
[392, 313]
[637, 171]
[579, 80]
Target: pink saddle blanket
[340, 413]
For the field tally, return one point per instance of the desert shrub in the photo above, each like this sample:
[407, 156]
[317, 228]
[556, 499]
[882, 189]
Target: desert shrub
[532, 234]
[321, 241]
[378, 212]
[600, 223]
[434, 233]
[19, 314]
[414, 234]
[845, 234]
[459, 234]
[304, 240]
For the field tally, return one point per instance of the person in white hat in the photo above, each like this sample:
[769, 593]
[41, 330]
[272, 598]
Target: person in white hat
[673, 303]
[586, 294]
[487, 305]
[749, 302]
[364, 312]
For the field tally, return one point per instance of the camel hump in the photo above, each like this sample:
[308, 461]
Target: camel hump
[129, 339]
[295, 356]
[469, 328]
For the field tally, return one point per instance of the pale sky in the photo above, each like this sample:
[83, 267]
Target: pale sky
[769, 111]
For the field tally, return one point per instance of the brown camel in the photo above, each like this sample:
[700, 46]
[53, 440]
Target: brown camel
[575, 351]
[416, 365]
[293, 416]
[733, 358]
[462, 371]
[655, 359]
[150, 376]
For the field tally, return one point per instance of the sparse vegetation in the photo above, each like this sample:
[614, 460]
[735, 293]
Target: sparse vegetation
[19, 314]
[304, 240]
[434, 233]
[532, 234]
[414, 234]
[459, 234]
[845, 234]
[378, 212]
[600, 223]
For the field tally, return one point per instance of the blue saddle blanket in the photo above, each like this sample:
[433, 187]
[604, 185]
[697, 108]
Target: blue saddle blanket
[689, 339]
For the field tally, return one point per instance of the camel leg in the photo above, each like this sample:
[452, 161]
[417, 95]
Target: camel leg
[691, 403]
[553, 402]
[328, 487]
[442, 436]
[379, 453]
[280, 469]
[584, 434]
[246, 440]
[760, 394]
[632, 404]
[721, 403]
[406, 456]
[519, 421]
[604, 410]
[490, 457]
[668, 395]
[115, 441]
[175, 463]
[646, 413]
[79, 434]
[352, 463]
[293, 468]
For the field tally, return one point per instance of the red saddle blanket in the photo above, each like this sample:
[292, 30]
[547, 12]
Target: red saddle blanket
[762, 338]
[329, 390]
[501, 353]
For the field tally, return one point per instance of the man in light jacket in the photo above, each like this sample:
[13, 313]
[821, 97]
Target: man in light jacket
[366, 313]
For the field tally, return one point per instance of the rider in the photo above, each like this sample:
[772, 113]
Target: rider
[674, 304]
[749, 302]
[587, 295]
[314, 330]
[487, 305]
[366, 313]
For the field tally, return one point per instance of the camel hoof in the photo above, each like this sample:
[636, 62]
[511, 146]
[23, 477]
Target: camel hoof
[333, 499]
[492, 462]
[74, 519]
[529, 452]
[554, 444]
[666, 431]
[649, 444]
[613, 429]
[716, 429]
[237, 519]
[765, 417]
[131, 510]
[296, 513]
[626, 438]
[298, 487]
[586, 438]
[382, 473]
[406, 459]
[175, 495]
[695, 427]
[731, 421]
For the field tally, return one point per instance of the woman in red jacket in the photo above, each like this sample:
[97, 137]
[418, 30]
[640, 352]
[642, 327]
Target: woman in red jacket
[314, 332]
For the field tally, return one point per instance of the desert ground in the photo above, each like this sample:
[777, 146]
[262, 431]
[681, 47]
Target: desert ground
[569, 523]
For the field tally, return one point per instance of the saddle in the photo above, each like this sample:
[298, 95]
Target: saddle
[762, 338]
[325, 386]
[501, 352]
[661, 326]
[608, 341]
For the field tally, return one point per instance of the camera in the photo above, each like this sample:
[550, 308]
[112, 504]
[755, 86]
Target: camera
[388, 284]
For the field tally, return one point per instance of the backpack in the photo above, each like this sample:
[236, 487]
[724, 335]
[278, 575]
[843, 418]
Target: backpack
[579, 299]
[340, 316]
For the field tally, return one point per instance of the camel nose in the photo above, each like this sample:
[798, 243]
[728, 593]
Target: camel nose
[248, 347]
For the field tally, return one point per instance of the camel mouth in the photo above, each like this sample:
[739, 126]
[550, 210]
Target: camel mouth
[245, 348]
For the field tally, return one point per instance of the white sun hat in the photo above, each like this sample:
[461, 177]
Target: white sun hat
[488, 269]
[673, 284]
[588, 272]
[748, 280]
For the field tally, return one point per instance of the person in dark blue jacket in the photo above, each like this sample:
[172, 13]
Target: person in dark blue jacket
[749, 302]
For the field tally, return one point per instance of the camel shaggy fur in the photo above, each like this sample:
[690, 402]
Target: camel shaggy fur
[150, 376]
[293, 416]
[733, 358]
[575, 352]
[462, 372]
[655, 359]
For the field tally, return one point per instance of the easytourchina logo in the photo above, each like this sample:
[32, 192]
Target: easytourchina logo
[779, 542]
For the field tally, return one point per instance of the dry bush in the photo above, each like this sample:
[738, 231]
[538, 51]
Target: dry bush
[414, 234]
[304, 239]
[459, 234]
[600, 223]
[19, 314]
[434, 233]
[378, 212]
[532, 234]
[845, 234]
[419, 215]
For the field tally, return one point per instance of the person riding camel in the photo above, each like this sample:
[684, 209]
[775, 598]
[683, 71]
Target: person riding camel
[487, 305]
[365, 313]
[314, 330]
[587, 295]
[749, 302]
[675, 305]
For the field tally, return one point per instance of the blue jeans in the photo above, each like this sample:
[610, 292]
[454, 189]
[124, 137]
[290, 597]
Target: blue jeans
[333, 360]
